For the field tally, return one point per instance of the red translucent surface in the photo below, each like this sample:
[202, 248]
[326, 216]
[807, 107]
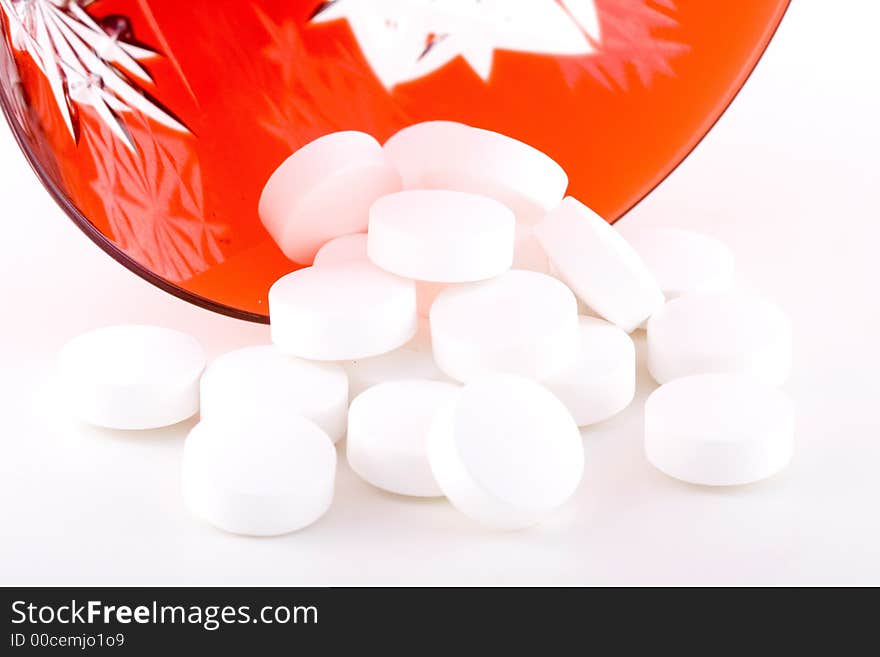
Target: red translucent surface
[252, 81]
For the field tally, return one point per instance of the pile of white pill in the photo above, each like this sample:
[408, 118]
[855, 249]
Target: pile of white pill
[437, 325]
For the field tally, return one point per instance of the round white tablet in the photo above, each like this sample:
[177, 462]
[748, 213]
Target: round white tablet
[683, 261]
[261, 381]
[342, 312]
[598, 264]
[521, 322]
[601, 381]
[506, 452]
[414, 360]
[131, 376]
[325, 189]
[417, 149]
[387, 432]
[346, 248]
[447, 155]
[441, 236]
[259, 478]
[719, 429]
[731, 332]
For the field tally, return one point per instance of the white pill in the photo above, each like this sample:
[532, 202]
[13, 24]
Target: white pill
[506, 452]
[598, 265]
[521, 322]
[731, 332]
[420, 148]
[342, 312]
[131, 376]
[602, 380]
[387, 433]
[683, 261]
[262, 478]
[414, 360]
[441, 236]
[346, 248]
[353, 248]
[446, 155]
[261, 381]
[719, 429]
[325, 190]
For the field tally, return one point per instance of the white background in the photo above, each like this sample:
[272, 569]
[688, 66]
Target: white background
[789, 177]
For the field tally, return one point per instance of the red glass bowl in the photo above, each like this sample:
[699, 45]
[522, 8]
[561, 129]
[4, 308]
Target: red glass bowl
[155, 123]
